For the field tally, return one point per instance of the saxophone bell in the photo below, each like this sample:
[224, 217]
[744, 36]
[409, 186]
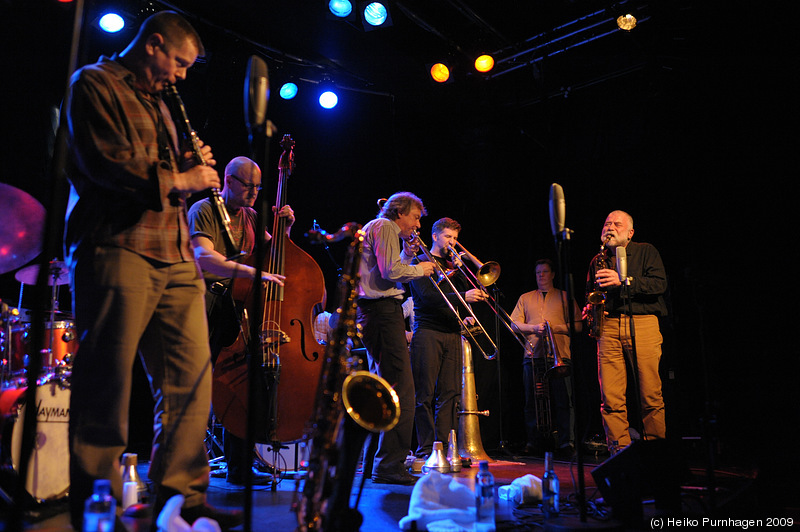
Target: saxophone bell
[350, 404]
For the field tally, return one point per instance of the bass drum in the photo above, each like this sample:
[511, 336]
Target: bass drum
[48, 468]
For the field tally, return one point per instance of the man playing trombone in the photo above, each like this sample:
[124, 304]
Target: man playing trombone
[436, 344]
[385, 265]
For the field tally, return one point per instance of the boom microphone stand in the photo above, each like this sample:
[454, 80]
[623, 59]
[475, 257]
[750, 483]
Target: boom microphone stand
[622, 269]
[561, 236]
[256, 94]
[501, 445]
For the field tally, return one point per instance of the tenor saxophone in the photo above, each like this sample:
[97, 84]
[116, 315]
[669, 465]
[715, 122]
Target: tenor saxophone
[350, 404]
[597, 297]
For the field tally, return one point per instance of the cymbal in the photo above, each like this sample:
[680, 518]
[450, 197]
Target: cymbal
[21, 224]
[58, 273]
[26, 315]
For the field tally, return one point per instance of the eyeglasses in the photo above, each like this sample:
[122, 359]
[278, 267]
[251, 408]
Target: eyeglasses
[248, 186]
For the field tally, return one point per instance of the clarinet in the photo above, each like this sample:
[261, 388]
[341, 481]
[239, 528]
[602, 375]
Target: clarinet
[185, 128]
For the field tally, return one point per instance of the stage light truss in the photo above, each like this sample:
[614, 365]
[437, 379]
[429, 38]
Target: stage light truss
[578, 32]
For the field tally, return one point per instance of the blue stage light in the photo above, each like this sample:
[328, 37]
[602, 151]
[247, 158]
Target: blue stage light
[340, 8]
[328, 99]
[111, 23]
[375, 14]
[288, 91]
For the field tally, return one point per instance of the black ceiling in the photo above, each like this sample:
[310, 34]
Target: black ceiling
[540, 47]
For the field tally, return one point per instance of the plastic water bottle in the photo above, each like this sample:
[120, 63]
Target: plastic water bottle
[550, 487]
[99, 513]
[484, 499]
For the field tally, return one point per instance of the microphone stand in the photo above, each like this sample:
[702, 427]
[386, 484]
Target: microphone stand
[569, 522]
[625, 295]
[501, 445]
[562, 252]
[315, 227]
[256, 348]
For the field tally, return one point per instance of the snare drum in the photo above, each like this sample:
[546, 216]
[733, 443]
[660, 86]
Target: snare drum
[65, 345]
[48, 468]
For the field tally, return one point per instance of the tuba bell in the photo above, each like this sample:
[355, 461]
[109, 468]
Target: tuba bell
[469, 442]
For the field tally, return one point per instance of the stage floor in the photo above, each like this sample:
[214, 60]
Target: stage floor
[735, 496]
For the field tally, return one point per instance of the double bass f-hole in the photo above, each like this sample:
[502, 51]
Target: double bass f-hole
[314, 355]
[272, 336]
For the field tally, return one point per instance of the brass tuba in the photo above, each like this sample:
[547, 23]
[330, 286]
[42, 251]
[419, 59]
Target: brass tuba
[597, 297]
[349, 404]
[469, 442]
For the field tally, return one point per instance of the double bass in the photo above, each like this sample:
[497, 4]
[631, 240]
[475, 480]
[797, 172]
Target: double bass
[292, 360]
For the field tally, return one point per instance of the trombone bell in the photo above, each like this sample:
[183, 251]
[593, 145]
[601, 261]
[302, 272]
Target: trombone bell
[488, 273]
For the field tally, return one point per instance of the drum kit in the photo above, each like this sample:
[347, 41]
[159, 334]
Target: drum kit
[20, 242]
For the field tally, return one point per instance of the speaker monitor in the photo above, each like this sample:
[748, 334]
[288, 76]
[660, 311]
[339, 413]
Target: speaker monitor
[643, 469]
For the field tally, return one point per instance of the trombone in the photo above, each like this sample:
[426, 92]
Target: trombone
[487, 274]
[443, 276]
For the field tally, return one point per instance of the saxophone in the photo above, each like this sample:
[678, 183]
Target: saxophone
[597, 297]
[350, 404]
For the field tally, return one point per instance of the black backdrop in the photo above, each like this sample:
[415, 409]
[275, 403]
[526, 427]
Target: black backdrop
[699, 153]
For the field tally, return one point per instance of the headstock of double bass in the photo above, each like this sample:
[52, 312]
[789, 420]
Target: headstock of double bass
[286, 163]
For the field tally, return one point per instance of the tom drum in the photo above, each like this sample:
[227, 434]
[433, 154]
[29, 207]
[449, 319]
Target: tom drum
[61, 335]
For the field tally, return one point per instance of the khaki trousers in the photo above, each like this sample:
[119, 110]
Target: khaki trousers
[613, 348]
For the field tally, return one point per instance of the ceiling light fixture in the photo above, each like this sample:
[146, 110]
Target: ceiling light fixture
[328, 98]
[440, 73]
[375, 15]
[484, 63]
[288, 90]
[340, 8]
[626, 22]
[111, 22]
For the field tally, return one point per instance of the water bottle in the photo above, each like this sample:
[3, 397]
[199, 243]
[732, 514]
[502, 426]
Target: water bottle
[99, 513]
[484, 499]
[134, 490]
[550, 487]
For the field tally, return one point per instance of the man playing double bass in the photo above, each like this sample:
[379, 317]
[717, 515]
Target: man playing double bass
[241, 185]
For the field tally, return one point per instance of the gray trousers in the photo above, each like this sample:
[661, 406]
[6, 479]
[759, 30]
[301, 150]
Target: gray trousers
[126, 304]
[436, 363]
[384, 337]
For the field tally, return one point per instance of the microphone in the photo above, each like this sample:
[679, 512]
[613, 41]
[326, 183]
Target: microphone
[256, 93]
[557, 208]
[622, 264]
